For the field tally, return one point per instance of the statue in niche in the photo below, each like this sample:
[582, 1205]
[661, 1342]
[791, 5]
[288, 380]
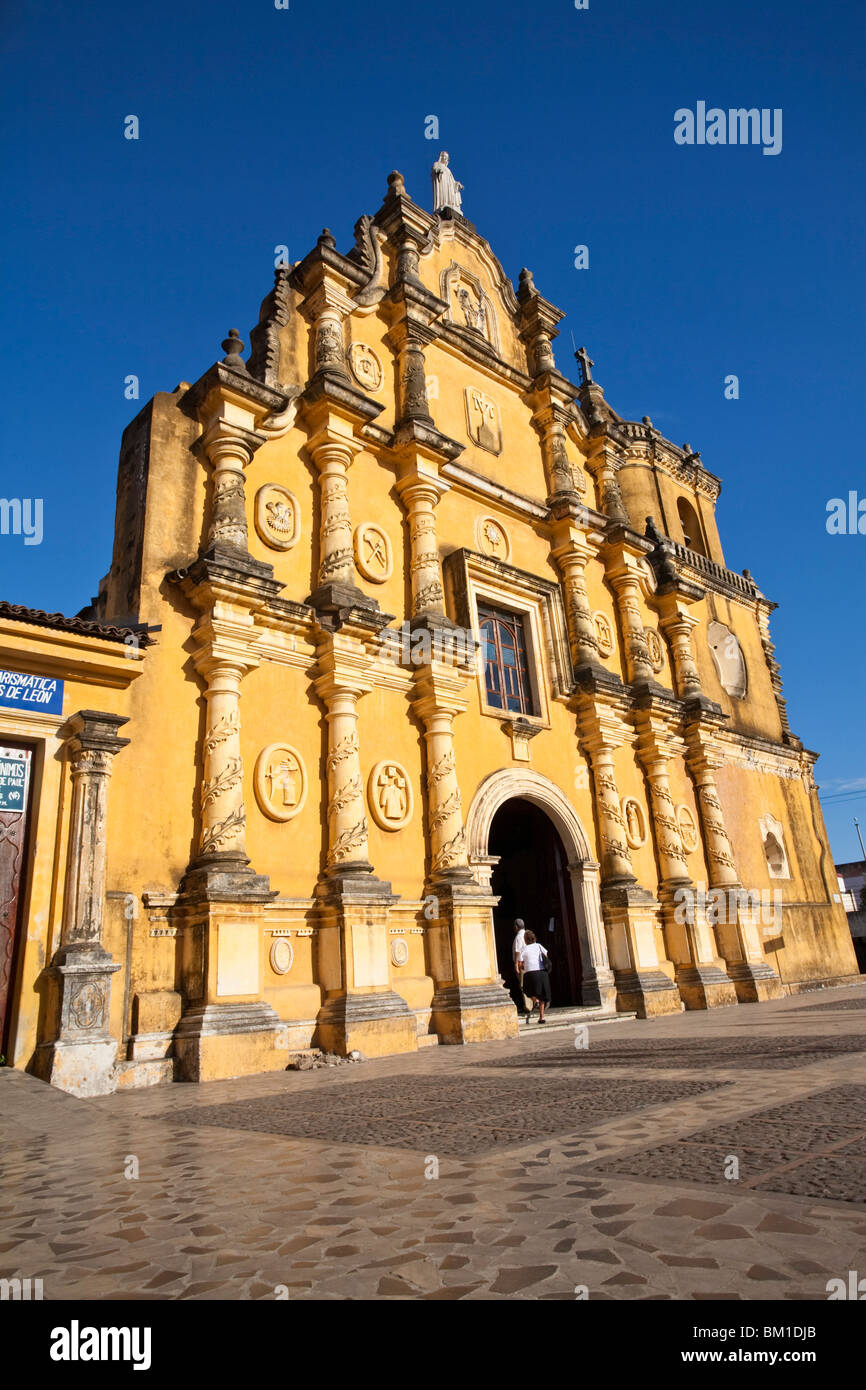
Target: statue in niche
[446, 189]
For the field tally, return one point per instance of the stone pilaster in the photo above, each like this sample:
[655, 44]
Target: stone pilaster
[344, 665]
[689, 940]
[82, 1056]
[738, 937]
[469, 1003]
[630, 912]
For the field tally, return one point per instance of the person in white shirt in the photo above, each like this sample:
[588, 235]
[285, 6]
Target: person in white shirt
[536, 981]
[516, 952]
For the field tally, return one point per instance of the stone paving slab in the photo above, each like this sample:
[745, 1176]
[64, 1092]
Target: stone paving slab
[238, 1213]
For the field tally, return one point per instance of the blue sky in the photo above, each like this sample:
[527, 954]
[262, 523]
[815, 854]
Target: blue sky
[258, 126]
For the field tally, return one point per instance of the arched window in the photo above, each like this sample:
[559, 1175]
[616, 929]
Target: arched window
[692, 534]
[506, 670]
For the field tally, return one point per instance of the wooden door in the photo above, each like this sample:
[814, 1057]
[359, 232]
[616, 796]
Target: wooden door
[15, 781]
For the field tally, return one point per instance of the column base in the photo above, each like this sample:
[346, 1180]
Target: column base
[705, 987]
[647, 993]
[473, 1013]
[225, 879]
[80, 1068]
[754, 981]
[213, 1042]
[378, 1024]
[598, 990]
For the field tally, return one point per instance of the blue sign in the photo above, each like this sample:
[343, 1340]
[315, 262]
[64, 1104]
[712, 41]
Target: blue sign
[28, 693]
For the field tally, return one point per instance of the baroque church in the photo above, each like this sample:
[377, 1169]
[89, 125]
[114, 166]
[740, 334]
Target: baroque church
[406, 634]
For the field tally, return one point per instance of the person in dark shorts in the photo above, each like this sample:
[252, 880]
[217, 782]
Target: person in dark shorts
[536, 981]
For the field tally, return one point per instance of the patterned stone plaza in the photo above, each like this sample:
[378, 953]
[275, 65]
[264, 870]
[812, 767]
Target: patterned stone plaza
[559, 1168]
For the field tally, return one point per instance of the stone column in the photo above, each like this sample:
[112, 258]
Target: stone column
[410, 337]
[554, 451]
[360, 1009]
[615, 856]
[82, 1056]
[599, 986]
[604, 464]
[690, 944]
[223, 816]
[332, 460]
[229, 451]
[420, 496]
[627, 589]
[572, 561]
[469, 1002]
[630, 912]
[677, 626]
[738, 937]
[348, 851]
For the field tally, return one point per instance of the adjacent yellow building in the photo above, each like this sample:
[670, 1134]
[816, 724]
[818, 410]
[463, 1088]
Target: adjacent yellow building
[404, 635]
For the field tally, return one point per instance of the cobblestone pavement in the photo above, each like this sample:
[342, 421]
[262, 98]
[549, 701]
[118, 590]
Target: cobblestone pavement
[558, 1167]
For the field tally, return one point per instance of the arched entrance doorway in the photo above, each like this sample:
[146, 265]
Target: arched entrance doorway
[531, 880]
[592, 984]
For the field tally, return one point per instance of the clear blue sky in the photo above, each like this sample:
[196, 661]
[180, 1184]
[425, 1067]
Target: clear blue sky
[258, 126]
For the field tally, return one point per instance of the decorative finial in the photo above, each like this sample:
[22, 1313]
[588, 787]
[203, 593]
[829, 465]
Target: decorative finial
[526, 280]
[687, 448]
[233, 348]
[327, 239]
[747, 574]
[446, 189]
[585, 362]
[396, 184]
[648, 422]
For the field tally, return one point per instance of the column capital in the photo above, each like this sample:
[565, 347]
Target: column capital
[93, 731]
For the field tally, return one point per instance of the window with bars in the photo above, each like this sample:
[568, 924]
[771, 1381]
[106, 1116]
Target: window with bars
[506, 669]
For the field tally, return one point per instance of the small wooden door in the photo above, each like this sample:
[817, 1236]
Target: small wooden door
[15, 783]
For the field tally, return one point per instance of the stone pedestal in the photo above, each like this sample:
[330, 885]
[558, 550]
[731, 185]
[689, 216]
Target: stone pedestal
[361, 1010]
[631, 916]
[470, 1003]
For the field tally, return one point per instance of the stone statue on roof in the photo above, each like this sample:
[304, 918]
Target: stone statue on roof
[446, 189]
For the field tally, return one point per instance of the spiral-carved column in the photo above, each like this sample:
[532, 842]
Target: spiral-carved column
[223, 817]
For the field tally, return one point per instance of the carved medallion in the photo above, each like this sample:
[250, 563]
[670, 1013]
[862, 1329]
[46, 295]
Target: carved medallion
[687, 828]
[366, 367]
[373, 553]
[280, 782]
[389, 793]
[277, 517]
[87, 1005]
[654, 647]
[492, 538]
[482, 420]
[399, 951]
[604, 633]
[282, 956]
[635, 822]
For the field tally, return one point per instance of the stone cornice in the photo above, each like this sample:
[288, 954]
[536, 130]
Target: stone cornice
[68, 655]
[224, 381]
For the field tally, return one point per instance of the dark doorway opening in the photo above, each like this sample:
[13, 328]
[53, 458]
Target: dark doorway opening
[533, 882]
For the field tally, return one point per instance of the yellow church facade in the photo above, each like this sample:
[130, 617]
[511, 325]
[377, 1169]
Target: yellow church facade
[405, 635]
